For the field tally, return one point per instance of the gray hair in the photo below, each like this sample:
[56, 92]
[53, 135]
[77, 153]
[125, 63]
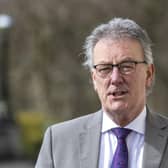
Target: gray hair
[117, 28]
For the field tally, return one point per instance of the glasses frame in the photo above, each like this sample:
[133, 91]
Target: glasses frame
[119, 66]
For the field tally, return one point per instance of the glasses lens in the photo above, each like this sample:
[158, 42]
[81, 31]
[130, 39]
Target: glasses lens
[127, 67]
[103, 70]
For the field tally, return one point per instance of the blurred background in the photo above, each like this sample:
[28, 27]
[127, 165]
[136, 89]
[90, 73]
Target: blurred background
[42, 80]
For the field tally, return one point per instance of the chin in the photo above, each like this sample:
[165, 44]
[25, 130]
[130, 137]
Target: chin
[117, 106]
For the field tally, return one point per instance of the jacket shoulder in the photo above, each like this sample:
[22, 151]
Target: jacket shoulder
[78, 124]
[158, 119]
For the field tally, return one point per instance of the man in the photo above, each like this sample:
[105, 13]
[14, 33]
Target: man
[119, 57]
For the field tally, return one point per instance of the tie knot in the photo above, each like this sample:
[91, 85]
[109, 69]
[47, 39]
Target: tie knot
[121, 133]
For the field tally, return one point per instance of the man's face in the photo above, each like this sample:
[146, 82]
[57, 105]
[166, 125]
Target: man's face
[121, 94]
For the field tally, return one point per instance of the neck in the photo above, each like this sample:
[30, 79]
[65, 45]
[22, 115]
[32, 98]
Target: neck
[122, 118]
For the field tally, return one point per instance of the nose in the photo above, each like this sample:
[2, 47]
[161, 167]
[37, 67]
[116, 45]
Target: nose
[116, 76]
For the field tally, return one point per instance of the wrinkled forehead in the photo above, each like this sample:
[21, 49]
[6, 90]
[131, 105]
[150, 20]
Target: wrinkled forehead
[107, 49]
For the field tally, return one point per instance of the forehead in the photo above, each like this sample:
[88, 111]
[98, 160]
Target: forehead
[108, 50]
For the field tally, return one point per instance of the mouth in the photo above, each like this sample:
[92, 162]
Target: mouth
[118, 93]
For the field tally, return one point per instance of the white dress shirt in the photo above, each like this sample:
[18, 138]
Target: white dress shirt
[135, 141]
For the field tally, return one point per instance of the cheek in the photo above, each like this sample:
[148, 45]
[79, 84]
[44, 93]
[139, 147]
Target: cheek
[138, 86]
[101, 88]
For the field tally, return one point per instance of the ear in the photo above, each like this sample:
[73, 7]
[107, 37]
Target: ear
[94, 80]
[150, 75]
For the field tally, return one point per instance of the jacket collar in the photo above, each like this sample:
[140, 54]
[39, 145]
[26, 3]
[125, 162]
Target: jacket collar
[155, 140]
[90, 142]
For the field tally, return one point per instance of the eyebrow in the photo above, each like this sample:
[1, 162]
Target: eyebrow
[125, 59]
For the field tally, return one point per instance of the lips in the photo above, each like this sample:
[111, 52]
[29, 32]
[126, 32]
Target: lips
[117, 93]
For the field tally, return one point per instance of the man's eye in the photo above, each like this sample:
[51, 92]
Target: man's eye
[126, 66]
[105, 69]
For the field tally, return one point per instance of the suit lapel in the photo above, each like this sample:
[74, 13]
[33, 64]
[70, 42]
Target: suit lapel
[90, 143]
[155, 141]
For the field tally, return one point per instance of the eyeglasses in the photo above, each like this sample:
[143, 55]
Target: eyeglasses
[125, 68]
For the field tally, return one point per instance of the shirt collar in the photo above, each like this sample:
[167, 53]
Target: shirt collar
[137, 125]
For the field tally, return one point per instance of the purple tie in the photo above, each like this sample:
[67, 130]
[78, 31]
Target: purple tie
[120, 159]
